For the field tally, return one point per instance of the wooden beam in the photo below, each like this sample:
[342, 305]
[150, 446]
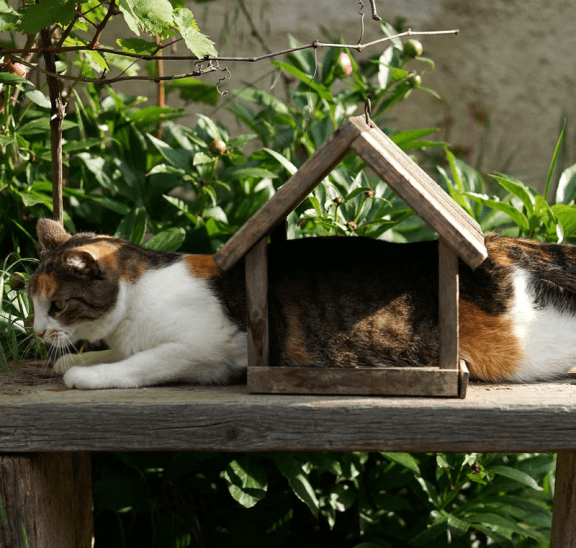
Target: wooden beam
[448, 305]
[369, 381]
[563, 534]
[288, 196]
[46, 500]
[257, 304]
[420, 192]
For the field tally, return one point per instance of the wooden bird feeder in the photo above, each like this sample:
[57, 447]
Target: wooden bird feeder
[459, 236]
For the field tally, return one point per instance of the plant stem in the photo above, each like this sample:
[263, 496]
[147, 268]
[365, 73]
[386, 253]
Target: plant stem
[57, 112]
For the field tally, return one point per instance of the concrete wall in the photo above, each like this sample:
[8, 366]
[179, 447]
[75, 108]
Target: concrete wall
[514, 59]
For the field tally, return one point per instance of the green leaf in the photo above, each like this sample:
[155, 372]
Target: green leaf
[151, 16]
[290, 167]
[566, 191]
[566, 216]
[406, 137]
[514, 474]
[517, 216]
[38, 98]
[293, 472]
[553, 163]
[518, 189]
[307, 79]
[403, 459]
[202, 158]
[133, 226]
[183, 207]
[38, 16]
[167, 240]
[9, 18]
[42, 125]
[137, 45]
[199, 44]
[245, 172]
[247, 480]
[193, 90]
[12, 79]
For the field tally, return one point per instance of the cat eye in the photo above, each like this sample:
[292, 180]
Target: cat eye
[60, 305]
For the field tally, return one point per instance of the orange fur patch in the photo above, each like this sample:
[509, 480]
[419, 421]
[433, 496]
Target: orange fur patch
[487, 343]
[201, 266]
[294, 347]
[46, 286]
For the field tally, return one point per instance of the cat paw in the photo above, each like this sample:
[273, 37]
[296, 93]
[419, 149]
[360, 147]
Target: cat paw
[84, 378]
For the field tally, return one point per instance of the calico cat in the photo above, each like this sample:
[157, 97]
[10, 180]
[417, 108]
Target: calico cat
[333, 302]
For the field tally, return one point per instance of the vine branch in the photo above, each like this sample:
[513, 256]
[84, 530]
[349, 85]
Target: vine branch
[208, 58]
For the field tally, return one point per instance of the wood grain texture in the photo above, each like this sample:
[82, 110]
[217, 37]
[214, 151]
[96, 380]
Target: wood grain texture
[448, 306]
[257, 304]
[420, 192]
[46, 416]
[563, 534]
[288, 196]
[47, 500]
[396, 381]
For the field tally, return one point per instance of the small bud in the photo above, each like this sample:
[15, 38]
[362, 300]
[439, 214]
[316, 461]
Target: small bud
[337, 200]
[217, 147]
[17, 281]
[344, 64]
[352, 225]
[369, 193]
[413, 48]
[414, 80]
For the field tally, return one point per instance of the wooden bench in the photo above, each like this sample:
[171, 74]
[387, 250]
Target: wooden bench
[47, 433]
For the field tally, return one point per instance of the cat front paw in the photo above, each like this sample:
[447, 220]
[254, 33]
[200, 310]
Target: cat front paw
[84, 378]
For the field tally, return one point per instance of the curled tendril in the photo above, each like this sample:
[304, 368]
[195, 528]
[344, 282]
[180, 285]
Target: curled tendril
[211, 66]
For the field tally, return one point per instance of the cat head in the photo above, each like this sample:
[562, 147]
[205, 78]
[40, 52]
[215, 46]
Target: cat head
[75, 286]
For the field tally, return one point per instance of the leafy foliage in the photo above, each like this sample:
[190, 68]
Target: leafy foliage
[191, 189]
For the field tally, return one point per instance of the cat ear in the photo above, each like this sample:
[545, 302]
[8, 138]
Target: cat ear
[83, 262]
[50, 234]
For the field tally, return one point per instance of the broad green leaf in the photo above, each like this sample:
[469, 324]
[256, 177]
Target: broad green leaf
[245, 172]
[42, 125]
[38, 16]
[151, 16]
[405, 137]
[307, 79]
[198, 43]
[517, 475]
[403, 459]
[167, 240]
[202, 158]
[183, 207]
[290, 167]
[9, 18]
[292, 470]
[192, 89]
[566, 191]
[133, 226]
[247, 480]
[518, 189]
[137, 45]
[38, 98]
[566, 216]
[517, 216]
[12, 79]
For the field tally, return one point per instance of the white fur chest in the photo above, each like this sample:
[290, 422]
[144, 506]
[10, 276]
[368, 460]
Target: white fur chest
[547, 337]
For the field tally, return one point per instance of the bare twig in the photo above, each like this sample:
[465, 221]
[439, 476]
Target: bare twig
[148, 57]
[100, 28]
[375, 15]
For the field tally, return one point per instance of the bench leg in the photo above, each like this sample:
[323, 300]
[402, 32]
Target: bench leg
[46, 500]
[564, 510]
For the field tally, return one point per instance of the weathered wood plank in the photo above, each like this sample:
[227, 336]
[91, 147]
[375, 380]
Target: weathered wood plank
[257, 304]
[397, 381]
[463, 379]
[47, 500]
[448, 306]
[420, 192]
[290, 194]
[563, 534]
[42, 415]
